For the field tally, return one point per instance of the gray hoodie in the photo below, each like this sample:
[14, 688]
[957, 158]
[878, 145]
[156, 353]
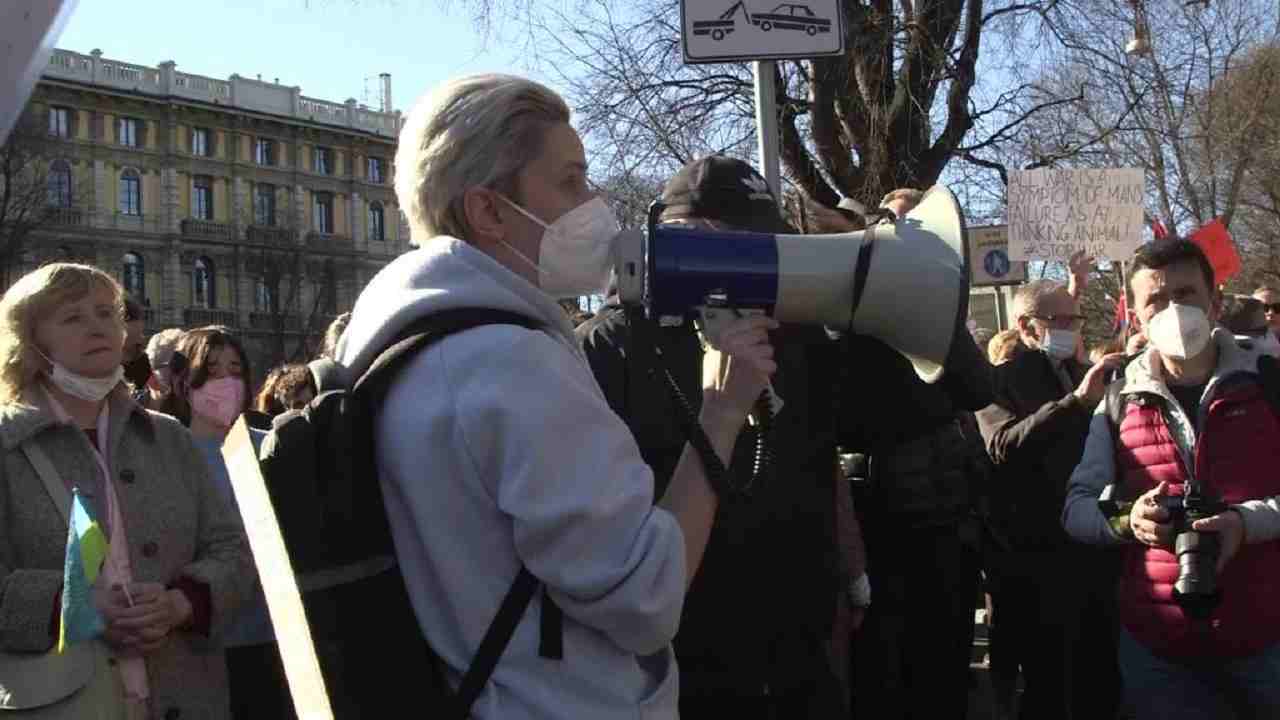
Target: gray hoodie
[496, 448]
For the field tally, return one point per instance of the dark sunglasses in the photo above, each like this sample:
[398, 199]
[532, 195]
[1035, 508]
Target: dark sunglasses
[1060, 318]
[1271, 307]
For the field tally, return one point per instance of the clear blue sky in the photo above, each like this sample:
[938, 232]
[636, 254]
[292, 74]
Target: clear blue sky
[328, 47]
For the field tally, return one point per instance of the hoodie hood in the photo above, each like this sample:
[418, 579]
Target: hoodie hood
[443, 274]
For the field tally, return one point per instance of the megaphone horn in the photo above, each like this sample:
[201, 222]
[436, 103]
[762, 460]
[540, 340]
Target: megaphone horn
[905, 283]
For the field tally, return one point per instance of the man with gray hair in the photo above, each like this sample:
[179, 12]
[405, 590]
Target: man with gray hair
[1048, 619]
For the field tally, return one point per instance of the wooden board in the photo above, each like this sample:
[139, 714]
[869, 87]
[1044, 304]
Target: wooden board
[284, 601]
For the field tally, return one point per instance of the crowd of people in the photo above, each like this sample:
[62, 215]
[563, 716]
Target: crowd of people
[771, 521]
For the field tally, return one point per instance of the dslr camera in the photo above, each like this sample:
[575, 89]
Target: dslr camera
[1196, 590]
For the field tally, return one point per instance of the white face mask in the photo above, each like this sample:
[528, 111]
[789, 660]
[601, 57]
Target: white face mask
[1179, 331]
[80, 386]
[576, 256]
[1060, 344]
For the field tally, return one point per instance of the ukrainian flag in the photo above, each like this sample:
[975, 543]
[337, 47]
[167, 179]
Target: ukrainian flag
[86, 551]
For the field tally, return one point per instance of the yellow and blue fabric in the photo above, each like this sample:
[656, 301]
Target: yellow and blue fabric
[86, 551]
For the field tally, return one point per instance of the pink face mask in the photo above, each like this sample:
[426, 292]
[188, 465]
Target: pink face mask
[219, 400]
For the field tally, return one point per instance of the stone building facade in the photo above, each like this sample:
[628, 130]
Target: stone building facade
[235, 202]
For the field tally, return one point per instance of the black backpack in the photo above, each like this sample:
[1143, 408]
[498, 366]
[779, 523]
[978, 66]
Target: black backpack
[320, 471]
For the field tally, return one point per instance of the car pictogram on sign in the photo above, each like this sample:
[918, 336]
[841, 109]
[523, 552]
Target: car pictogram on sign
[788, 16]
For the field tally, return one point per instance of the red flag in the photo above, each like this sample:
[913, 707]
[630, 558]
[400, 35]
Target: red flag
[1158, 229]
[1121, 321]
[1218, 246]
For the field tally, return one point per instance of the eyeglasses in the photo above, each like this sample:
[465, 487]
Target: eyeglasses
[1061, 320]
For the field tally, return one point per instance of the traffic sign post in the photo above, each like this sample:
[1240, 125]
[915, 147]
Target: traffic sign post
[763, 31]
[742, 30]
[767, 123]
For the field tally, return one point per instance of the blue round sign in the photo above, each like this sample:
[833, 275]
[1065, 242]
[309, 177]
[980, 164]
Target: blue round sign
[996, 263]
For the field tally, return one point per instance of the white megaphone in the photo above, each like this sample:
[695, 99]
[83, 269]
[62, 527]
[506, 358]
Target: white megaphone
[906, 282]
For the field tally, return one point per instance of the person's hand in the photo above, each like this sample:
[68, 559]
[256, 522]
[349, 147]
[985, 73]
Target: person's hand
[1149, 521]
[1079, 267]
[735, 369]
[1230, 528]
[113, 605]
[156, 612]
[1136, 343]
[990, 615]
[857, 615]
[1094, 384]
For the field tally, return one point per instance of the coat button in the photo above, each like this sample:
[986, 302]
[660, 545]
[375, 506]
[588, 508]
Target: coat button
[172, 714]
[150, 549]
[126, 477]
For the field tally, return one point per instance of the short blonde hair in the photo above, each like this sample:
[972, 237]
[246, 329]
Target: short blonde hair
[30, 300]
[161, 346]
[1004, 346]
[474, 131]
[911, 195]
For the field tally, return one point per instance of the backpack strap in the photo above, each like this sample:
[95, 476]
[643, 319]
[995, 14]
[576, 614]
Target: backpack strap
[371, 387]
[1269, 379]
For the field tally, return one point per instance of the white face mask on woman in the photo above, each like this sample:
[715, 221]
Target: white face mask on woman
[576, 255]
[80, 386]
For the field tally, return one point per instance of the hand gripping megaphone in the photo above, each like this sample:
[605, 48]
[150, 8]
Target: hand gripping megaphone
[906, 282]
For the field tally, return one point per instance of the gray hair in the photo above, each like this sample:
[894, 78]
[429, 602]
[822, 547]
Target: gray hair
[161, 346]
[1028, 297]
[474, 131]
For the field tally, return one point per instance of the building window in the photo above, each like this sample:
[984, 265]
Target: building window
[202, 289]
[264, 204]
[264, 296]
[202, 198]
[377, 224]
[200, 142]
[322, 220]
[135, 280]
[264, 152]
[130, 193]
[60, 184]
[127, 131]
[375, 170]
[60, 122]
[322, 160]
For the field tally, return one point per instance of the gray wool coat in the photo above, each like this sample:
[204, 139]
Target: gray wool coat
[177, 525]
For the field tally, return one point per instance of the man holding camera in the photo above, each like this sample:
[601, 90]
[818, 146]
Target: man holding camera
[1180, 471]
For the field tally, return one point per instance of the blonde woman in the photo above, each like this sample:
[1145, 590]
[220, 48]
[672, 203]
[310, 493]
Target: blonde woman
[178, 567]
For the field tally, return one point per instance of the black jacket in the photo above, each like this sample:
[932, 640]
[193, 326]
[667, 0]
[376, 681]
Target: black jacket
[1035, 433]
[762, 602]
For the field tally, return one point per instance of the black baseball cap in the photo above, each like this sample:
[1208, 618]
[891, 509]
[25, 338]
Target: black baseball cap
[726, 189]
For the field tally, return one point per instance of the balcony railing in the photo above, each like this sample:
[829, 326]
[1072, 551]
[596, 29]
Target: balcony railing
[324, 241]
[267, 235]
[196, 317]
[289, 322]
[206, 229]
[66, 216]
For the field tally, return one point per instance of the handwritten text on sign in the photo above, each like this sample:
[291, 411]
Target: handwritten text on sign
[1053, 213]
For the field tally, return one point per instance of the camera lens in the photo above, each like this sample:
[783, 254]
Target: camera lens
[1196, 589]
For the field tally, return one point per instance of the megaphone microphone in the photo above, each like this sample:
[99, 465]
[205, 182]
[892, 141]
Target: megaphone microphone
[906, 283]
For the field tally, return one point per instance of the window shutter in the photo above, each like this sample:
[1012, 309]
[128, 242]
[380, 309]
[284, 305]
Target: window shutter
[142, 133]
[73, 122]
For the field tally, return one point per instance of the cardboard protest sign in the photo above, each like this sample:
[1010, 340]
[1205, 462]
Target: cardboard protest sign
[297, 651]
[1053, 213]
